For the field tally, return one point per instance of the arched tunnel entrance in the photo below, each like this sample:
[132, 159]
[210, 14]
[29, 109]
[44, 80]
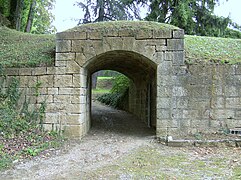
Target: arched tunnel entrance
[149, 53]
[141, 98]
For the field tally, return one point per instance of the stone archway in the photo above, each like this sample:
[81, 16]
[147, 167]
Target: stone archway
[142, 72]
[148, 53]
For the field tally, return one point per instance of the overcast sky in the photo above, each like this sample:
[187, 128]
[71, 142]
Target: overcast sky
[66, 14]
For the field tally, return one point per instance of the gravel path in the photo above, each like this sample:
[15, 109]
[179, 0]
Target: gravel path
[113, 134]
[120, 147]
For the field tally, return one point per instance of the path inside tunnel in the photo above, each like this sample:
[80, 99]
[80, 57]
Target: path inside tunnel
[107, 119]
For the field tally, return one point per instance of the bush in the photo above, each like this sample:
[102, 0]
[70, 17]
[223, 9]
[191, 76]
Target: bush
[111, 99]
[230, 33]
[118, 92]
[121, 84]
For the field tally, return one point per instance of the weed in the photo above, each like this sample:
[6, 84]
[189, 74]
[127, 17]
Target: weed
[237, 173]
[198, 136]
[224, 130]
[32, 152]
[13, 93]
[21, 131]
[5, 160]
[36, 88]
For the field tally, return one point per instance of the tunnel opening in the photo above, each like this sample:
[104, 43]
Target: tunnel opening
[139, 115]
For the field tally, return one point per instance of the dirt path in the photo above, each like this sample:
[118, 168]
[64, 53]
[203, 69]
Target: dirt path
[114, 133]
[119, 147]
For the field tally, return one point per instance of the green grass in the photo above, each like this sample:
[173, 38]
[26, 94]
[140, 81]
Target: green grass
[151, 163]
[104, 77]
[212, 49]
[100, 91]
[131, 25]
[18, 49]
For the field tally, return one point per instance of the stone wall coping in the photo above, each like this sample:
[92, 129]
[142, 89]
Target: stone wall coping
[117, 25]
[200, 143]
[138, 29]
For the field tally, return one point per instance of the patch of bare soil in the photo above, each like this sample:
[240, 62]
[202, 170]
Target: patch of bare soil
[120, 147]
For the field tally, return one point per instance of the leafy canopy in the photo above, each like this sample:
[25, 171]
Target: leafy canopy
[108, 10]
[196, 17]
[28, 15]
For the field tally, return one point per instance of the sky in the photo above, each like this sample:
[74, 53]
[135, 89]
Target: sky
[67, 15]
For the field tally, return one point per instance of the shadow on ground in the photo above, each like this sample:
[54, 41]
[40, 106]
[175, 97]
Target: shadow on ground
[107, 119]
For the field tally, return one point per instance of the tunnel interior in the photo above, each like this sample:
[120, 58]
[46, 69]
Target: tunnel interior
[142, 73]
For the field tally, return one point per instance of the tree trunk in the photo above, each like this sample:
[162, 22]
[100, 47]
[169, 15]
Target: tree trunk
[18, 14]
[12, 13]
[101, 11]
[165, 11]
[30, 16]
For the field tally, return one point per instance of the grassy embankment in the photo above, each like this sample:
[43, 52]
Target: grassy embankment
[100, 88]
[212, 49]
[21, 134]
[18, 49]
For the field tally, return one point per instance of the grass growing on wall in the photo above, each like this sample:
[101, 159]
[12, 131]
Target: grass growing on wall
[131, 25]
[18, 49]
[212, 49]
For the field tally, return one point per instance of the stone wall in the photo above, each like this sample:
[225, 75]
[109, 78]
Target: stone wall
[177, 98]
[136, 51]
[63, 92]
[142, 100]
[206, 98]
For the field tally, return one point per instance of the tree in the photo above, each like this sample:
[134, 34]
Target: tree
[194, 16]
[109, 10]
[43, 17]
[12, 11]
[28, 15]
[18, 14]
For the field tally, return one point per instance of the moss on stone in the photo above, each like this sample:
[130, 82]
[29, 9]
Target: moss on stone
[119, 25]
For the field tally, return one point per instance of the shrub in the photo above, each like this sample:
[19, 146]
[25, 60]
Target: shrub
[121, 84]
[118, 92]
